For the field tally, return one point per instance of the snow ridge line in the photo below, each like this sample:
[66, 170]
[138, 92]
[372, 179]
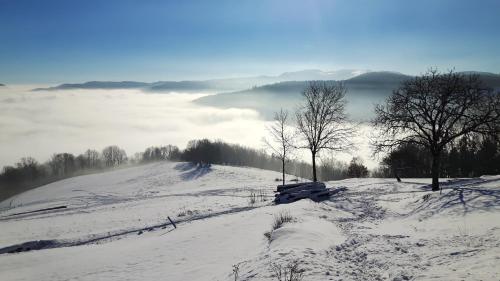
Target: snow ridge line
[56, 243]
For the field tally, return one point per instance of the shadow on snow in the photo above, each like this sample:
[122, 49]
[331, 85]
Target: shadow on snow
[193, 171]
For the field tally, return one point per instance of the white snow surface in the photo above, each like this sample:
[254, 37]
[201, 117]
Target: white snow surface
[115, 228]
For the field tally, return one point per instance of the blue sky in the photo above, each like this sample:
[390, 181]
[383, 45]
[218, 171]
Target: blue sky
[71, 41]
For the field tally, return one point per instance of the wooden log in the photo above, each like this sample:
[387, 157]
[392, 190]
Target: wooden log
[301, 194]
[316, 194]
[282, 187]
[296, 186]
[308, 186]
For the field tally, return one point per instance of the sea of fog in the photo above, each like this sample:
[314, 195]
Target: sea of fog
[41, 123]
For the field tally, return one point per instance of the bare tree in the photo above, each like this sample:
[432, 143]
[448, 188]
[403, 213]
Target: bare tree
[322, 120]
[357, 169]
[433, 110]
[91, 158]
[282, 139]
[62, 164]
[29, 168]
[114, 156]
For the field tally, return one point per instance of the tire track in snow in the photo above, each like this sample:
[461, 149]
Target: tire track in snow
[55, 243]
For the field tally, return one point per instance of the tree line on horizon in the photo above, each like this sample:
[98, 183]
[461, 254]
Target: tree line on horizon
[29, 173]
[467, 157]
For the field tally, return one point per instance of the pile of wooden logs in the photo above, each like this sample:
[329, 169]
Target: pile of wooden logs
[288, 193]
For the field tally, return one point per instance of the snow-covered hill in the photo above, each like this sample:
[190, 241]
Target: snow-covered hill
[115, 227]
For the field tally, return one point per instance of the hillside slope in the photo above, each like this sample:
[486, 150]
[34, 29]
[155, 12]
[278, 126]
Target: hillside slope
[115, 227]
[363, 92]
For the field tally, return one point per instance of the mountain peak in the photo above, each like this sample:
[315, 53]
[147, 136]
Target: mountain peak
[380, 76]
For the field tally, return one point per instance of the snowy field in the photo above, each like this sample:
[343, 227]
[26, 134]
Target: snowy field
[115, 227]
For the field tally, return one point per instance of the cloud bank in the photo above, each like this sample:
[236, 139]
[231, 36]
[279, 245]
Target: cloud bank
[39, 124]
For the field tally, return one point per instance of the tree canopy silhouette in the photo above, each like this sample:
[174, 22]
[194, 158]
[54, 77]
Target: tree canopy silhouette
[434, 110]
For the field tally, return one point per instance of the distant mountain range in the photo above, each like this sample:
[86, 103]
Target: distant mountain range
[213, 85]
[2, 85]
[363, 91]
[267, 94]
[98, 85]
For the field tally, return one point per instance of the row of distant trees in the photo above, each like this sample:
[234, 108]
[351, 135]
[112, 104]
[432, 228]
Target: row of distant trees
[29, 173]
[430, 114]
[62, 165]
[468, 157]
[219, 152]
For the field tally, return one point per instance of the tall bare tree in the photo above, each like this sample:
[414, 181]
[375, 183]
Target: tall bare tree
[322, 120]
[62, 164]
[435, 109]
[114, 156]
[281, 142]
[91, 157]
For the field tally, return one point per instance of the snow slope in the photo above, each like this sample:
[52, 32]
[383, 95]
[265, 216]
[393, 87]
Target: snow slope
[115, 227]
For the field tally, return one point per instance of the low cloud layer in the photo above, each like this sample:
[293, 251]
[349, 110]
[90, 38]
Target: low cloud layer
[38, 124]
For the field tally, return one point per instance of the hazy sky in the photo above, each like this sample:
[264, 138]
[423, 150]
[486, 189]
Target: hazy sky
[70, 41]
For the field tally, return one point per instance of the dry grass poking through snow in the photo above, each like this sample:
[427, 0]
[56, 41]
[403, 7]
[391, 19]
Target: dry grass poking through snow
[279, 219]
[252, 199]
[289, 272]
[282, 218]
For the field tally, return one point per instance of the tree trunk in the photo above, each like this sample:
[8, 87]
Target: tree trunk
[435, 172]
[396, 174]
[283, 162]
[315, 179]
